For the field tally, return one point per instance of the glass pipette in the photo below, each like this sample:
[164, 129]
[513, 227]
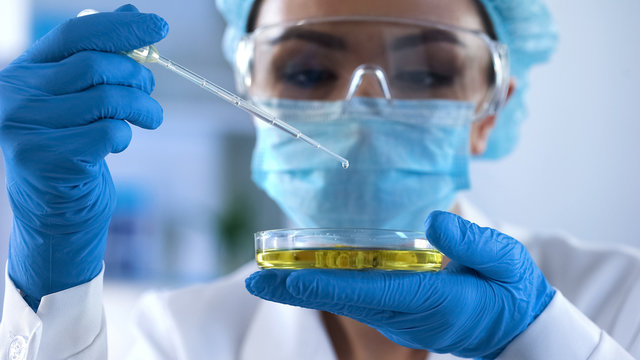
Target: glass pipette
[149, 54]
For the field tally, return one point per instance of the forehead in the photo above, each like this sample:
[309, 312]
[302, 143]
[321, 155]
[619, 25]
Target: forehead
[462, 13]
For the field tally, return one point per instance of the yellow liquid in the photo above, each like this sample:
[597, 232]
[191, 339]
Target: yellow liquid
[350, 259]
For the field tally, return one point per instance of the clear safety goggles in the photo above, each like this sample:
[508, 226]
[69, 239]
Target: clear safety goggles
[335, 58]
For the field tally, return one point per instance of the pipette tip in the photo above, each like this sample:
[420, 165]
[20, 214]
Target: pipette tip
[244, 104]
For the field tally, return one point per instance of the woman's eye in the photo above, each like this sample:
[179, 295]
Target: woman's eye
[307, 78]
[423, 79]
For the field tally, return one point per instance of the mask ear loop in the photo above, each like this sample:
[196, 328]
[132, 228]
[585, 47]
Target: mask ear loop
[356, 81]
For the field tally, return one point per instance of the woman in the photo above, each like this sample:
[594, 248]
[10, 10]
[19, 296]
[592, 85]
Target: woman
[408, 92]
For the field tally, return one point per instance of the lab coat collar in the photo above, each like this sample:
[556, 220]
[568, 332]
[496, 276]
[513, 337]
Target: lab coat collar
[286, 332]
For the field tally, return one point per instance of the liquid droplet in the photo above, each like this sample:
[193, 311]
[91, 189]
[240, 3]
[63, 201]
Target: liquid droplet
[345, 164]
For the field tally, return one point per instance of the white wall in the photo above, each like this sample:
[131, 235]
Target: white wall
[576, 168]
[15, 24]
[14, 28]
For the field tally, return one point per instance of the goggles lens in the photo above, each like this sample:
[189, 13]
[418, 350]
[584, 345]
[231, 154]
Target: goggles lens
[321, 60]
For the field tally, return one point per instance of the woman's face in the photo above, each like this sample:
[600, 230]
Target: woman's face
[459, 13]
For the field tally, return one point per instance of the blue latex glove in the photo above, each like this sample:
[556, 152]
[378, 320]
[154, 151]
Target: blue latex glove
[64, 106]
[487, 295]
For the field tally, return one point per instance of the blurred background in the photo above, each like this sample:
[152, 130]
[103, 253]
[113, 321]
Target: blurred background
[187, 208]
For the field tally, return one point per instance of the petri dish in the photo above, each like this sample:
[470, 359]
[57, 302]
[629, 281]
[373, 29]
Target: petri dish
[347, 249]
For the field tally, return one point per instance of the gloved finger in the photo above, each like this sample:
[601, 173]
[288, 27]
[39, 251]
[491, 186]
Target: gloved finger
[105, 136]
[374, 318]
[488, 251]
[108, 32]
[380, 290]
[61, 154]
[93, 142]
[271, 285]
[127, 8]
[81, 71]
[99, 102]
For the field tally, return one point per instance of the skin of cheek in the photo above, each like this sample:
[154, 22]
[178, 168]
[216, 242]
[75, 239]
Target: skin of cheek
[481, 129]
[479, 137]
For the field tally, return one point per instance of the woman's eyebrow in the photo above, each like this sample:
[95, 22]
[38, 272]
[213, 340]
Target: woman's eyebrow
[426, 36]
[320, 38]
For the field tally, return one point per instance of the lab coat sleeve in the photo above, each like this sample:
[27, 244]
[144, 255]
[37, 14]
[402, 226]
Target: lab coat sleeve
[563, 332]
[69, 324]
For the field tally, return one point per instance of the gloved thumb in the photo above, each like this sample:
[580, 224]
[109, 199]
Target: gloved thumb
[488, 251]
[123, 30]
[127, 8]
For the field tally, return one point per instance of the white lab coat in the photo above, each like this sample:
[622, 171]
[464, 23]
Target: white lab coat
[595, 315]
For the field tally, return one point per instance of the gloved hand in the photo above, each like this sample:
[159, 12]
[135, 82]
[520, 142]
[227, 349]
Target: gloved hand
[487, 295]
[64, 106]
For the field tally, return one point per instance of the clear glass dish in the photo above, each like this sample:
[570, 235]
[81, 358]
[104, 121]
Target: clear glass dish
[349, 249]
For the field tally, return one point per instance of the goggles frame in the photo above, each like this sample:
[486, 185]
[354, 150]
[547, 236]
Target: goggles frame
[494, 100]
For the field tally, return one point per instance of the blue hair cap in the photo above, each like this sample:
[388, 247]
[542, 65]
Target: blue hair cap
[236, 14]
[525, 26]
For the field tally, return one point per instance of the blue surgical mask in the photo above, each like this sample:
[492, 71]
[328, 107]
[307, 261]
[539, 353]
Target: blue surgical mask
[407, 158]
